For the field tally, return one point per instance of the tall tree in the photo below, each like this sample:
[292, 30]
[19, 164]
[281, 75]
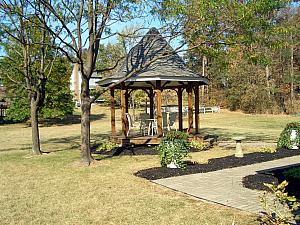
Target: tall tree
[86, 24]
[239, 39]
[27, 39]
[58, 98]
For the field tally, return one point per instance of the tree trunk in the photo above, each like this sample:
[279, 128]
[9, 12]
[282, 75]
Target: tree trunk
[292, 76]
[85, 123]
[35, 135]
[204, 62]
[133, 106]
[268, 86]
[190, 108]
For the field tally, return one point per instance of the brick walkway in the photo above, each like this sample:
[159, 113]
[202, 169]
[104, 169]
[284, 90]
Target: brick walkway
[225, 186]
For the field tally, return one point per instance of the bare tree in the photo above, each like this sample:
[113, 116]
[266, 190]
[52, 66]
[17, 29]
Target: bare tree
[80, 27]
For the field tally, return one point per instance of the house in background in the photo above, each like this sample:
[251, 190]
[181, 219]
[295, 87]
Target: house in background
[75, 83]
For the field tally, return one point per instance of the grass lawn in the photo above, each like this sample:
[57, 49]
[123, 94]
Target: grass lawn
[55, 189]
[254, 127]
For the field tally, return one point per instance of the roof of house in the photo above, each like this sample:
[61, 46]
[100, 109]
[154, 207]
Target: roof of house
[153, 59]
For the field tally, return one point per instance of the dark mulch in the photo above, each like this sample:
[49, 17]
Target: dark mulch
[120, 151]
[277, 176]
[136, 150]
[215, 164]
[256, 181]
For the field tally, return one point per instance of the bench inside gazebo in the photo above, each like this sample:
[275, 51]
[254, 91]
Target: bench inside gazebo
[153, 66]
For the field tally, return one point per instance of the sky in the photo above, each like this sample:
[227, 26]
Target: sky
[148, 22]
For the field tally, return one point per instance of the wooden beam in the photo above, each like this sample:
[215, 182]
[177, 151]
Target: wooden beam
[180, 124]
[196, 90]
[158, 109]
[165, 84]
[190, 108]
[148, 88]
[112, 112]
[130, 84]
[123, 111]
[151, 99]
[150, 83]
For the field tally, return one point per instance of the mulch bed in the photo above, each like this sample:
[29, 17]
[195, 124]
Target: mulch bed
[276, 176]
[215, 164]
[121, 151]
[137, 150]
[256, 181]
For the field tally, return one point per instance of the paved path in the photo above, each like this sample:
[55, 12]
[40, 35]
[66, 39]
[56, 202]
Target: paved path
[225, 186]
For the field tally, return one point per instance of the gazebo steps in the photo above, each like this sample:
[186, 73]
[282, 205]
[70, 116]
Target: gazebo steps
[142, 140]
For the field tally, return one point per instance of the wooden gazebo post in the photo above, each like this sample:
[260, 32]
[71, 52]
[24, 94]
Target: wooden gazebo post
[151, 100]
[158, 109]
[123, 110]
[112, 112]
[126, 100]
[190, 108]
[179, 94]
[196, 109]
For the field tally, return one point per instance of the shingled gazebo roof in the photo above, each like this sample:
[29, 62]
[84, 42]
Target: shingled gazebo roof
[153, 59]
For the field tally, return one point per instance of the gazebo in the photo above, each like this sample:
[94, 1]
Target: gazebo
[153, 66]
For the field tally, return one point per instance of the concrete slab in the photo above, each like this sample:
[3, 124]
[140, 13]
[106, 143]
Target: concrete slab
[225, 186]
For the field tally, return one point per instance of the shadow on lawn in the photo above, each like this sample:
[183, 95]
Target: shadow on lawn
[227, 134]
[72, 119]
[74, 142]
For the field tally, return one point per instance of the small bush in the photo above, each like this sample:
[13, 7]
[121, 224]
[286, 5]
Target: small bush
[284, 140]
[174, 148]
[279, 210]
[199, 145]
[107, 146]
[268, 150]
[293, 173]
[173, 135]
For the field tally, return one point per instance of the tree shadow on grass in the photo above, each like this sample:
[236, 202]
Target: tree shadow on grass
[16, 149]
[72, 119]
[228, 134]
[74, 142]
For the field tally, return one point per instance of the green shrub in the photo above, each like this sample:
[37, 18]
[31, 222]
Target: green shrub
[107, 146]
[284, 140]
[173, 135]
[279, 210]
[199, 145]
[268, 149]
[293, 173]
[174, 148]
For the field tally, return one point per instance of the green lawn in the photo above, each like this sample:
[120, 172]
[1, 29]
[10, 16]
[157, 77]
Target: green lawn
[254, 127]
[55, 189]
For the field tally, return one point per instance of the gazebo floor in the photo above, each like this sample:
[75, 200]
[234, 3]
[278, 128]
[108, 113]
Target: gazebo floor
[138, 140]
[148, 140]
